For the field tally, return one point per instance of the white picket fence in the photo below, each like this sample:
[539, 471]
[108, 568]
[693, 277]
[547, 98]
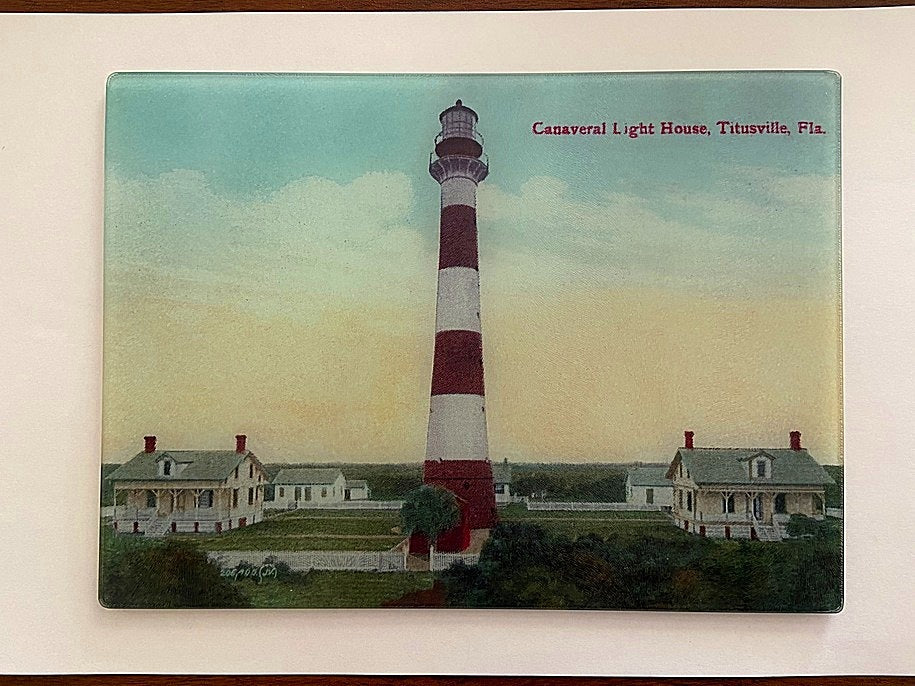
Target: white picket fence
[439, 561]
[836, 512]
[592, 507]
[304, 560]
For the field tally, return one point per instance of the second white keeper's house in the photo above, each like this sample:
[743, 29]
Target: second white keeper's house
[295, 487]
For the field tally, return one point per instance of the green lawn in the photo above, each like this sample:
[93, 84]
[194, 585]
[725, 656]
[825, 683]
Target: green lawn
[318, 589]
[575, 524]
[518, 512]
[312, 530]
[277, 543]
[376, 530]
[387, 515]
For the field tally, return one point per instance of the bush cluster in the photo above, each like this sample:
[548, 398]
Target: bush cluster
[523, 565]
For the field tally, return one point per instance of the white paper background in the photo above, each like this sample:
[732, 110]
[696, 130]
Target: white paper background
[52, 87]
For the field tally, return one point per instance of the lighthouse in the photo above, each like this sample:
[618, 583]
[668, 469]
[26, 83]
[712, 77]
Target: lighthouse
[457, 450]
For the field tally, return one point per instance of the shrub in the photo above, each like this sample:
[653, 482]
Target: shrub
[137, 573]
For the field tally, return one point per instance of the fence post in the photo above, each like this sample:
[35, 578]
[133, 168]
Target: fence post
[431, 558]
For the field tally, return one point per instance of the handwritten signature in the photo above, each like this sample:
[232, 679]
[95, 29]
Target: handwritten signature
[267, 571]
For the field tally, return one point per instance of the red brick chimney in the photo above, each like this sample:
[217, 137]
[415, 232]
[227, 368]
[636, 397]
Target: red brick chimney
[795, 440]
[240, 441]
[150, 444]
[688, 440]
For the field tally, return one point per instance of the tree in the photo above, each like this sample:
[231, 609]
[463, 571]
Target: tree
[539, 485]
[430, 511]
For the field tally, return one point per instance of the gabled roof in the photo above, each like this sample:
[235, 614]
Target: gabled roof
[202, 465]
[729, 466]
[306, 475]
[501, 473]
[357, 483]
[649, 476]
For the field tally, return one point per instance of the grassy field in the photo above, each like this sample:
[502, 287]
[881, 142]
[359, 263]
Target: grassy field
[310, 530]
[576, 524]
[334, 589]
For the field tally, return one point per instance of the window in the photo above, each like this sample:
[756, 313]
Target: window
[500, 489]
[689, 501]
[205, 499]
[680, 499]
[167, 468]
[250, 496]
[250, 471]
[150, 498]
[298, 493]
[649, 496]
[234, 497]
[727, 504]
[282, 492]
[761, 468]
[324, 492]
[680, 469]
[236, 472]
[307, 493]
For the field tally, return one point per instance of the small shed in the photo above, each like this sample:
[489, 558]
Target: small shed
[649, 486]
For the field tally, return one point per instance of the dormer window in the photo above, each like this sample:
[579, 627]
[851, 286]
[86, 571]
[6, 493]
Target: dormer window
[761, 467]
[167, 467]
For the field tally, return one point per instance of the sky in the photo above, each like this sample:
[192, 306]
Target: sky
[271, 263]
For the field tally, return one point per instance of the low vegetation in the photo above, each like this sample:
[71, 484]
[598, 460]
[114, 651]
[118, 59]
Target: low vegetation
[168, 573]
[661, 567]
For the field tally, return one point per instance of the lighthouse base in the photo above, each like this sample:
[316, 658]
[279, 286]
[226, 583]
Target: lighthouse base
[471, 481]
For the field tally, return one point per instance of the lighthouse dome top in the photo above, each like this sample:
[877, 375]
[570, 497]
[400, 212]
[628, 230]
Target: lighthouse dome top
[458, 111]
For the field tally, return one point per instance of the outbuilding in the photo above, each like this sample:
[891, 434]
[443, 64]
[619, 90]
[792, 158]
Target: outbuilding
[649, 486]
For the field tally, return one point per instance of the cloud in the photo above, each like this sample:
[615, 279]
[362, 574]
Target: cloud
[752, 231]
[312, 236]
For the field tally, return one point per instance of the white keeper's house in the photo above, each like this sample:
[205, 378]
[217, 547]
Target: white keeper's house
[745, 492]
[649, 485]
[192, 491]
[295, 487]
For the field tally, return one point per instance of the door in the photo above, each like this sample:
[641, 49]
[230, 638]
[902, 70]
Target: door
[758, 507]
[781, 505]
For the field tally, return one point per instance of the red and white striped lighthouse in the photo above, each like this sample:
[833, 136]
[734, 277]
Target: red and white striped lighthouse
[457, 451]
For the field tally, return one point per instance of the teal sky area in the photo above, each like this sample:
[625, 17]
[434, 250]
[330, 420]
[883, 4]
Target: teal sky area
[649, 283]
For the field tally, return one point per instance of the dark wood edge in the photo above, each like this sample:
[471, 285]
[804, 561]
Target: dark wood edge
[156, 6]
[188, 680]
